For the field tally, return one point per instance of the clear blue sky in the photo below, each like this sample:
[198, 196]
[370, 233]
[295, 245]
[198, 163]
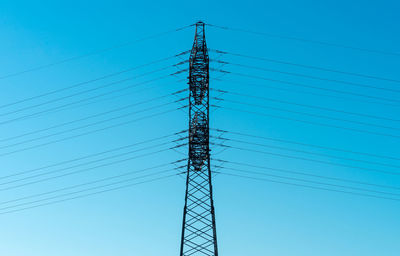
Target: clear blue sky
[253, 217]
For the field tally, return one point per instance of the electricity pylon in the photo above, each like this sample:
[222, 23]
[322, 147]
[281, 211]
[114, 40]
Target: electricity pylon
[199, 235]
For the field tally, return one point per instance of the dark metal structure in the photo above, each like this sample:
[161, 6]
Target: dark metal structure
[198, 231]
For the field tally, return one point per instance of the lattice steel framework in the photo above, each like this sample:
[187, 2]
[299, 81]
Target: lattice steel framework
[199, 236]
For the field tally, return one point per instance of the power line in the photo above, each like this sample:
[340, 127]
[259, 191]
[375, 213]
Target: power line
[84, 190]
[85, 169]
[306, 92]
[312, 77]
[89, 132]
[89, 117]
[306, 121]
[309, 186]
[90, 194]
[82, 92]
[308, 145]
[81, 100]
[309, 159]
[308, 174]
[324, 117]
[306, 105]
[309, 114]
[311, 86]
[308, 66]
[308, 152]
[89, 156]
[91, 80]
[94, 123]
[86, 183]
[91, 53]
[304, 40]
[313, 182]
[89, 163]
[82, 103]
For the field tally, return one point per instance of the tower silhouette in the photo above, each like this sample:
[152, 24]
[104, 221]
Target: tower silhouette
[198, 230]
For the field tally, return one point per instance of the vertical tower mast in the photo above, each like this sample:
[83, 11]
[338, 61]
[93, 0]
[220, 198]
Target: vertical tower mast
[198, 231]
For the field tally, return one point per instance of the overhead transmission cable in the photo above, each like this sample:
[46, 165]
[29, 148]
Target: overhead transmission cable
[85, 126]
[393, 101]
[40, 67]
[309, 186]
[305, 40]
[18, 173]
[311, 77]
[305, 105]
[89, 183]
[294, 90]
[313, 182]
[91, 116]
[83, 92]
[90, 132]
[90, 81]
[306, 121]
[307, 174]
[308, 66]
[89, 194]
[93, 123]
[307, 152]
[325, 117]
[308, 114]
[308, 159]
[307, 144]
[87, 168]
[82, 100]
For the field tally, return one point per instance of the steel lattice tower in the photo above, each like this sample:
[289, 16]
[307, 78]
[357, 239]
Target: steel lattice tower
[198, 231]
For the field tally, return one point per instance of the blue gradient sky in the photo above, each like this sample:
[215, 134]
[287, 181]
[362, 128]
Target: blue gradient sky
[253, 217]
